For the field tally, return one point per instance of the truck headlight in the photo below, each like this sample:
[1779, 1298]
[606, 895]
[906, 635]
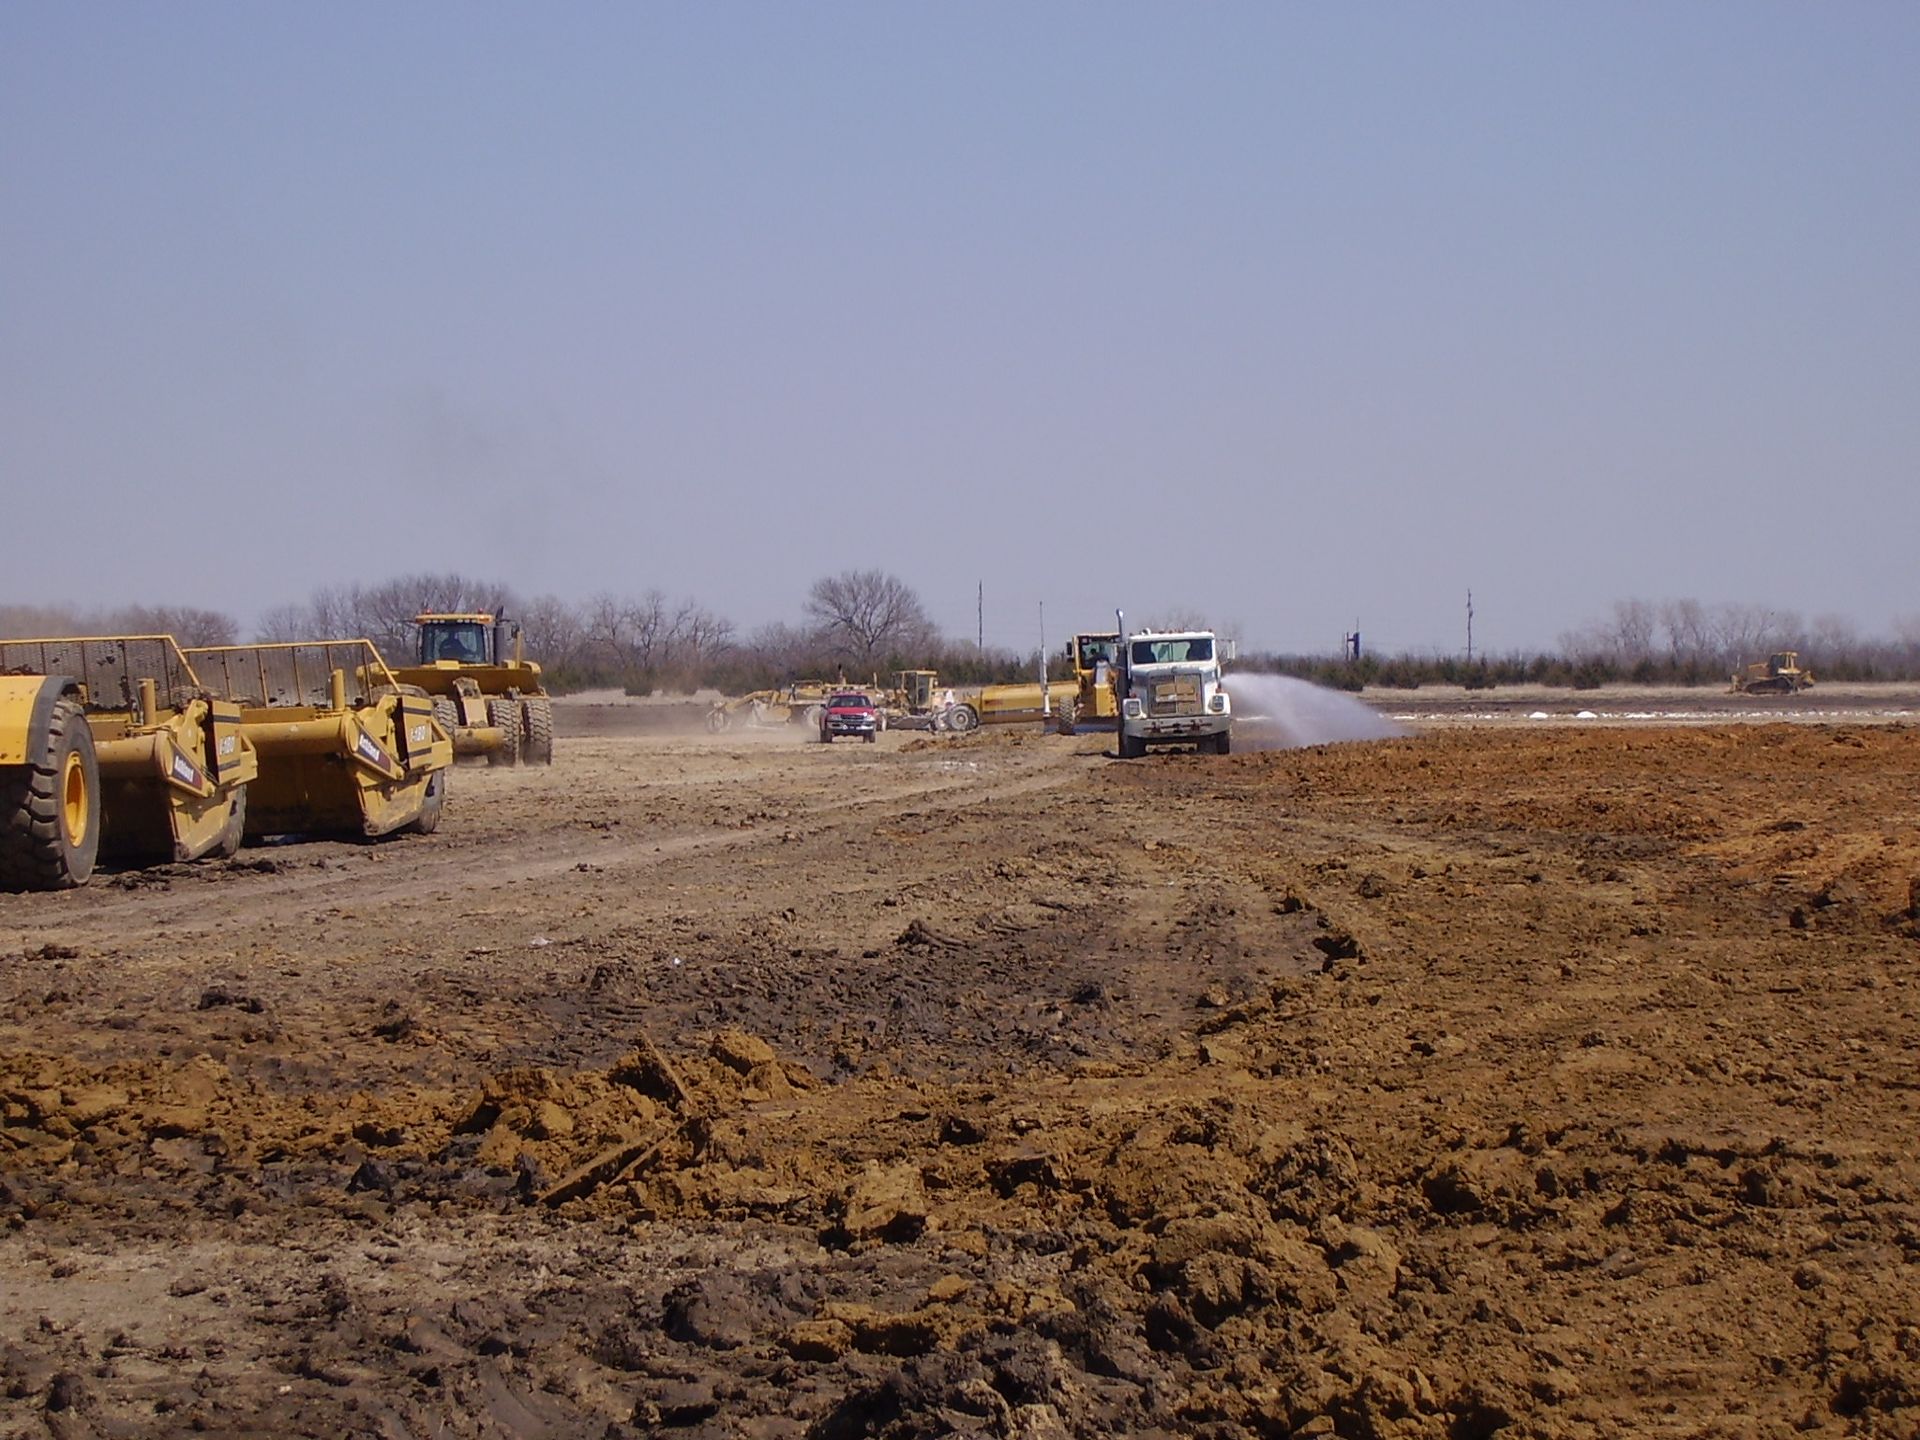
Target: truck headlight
[1131, 707]
[1217, 703]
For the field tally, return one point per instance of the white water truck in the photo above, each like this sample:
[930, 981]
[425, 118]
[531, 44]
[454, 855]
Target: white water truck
[1170, 691]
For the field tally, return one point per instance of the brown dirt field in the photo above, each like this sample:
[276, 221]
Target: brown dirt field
[1518, 1081]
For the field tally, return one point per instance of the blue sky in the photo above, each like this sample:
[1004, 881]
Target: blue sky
[1291, 315]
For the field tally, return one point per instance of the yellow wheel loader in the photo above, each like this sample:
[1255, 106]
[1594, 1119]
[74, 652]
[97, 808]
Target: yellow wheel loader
[486, 693]
[344, 746]
[169, 766]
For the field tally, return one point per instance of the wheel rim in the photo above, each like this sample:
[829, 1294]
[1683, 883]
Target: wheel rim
[73, 799]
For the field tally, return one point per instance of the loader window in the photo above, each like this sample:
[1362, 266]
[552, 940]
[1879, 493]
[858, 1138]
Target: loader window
[465, 643]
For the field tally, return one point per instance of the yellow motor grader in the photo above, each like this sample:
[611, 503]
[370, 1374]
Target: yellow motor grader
[1083, 704]
[344, 747]
[110, 745]
[485, 692]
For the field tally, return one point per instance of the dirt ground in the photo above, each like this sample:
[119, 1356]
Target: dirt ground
[1517, 1079]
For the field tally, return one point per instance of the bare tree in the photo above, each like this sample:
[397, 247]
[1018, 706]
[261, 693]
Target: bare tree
[1906, 635]
[285, 623]
[697, 636]
[867, 615]
[1633, 622]
[1685, 622]
[34, 622]
[553, 631]
[187, 624]
[624, 634]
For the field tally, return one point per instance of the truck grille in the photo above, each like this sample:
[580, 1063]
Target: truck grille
[1179, 696]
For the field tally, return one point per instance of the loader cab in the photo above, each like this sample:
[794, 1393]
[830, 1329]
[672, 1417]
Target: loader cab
[464, 639]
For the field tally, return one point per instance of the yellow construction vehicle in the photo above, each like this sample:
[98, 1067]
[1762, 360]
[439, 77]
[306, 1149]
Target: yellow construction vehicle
[344, 747]
[1082, 704]
[485, 692]
[801, 703]
[1778, 674]
[911, 702]
[161, 772]
[49, 785]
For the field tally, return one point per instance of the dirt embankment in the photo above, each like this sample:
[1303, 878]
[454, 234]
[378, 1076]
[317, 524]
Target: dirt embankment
[1535, 1083]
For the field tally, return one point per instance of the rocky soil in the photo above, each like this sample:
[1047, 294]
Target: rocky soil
[1520, 1081]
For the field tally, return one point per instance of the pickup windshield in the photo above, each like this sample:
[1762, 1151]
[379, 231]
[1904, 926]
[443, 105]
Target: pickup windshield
[849, 701]
[1171, 651]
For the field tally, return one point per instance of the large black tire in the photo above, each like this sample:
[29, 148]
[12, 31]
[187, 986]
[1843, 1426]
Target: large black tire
[538, 711]
[505, 715]
[1069, 716]
[1132, 747]
[234, 833]
[447, 713]
[428, 820]
[1223, 743]
[962, 718]
[50, 807]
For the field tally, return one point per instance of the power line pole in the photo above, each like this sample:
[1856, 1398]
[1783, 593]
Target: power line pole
[980, 617]
[1469, 627]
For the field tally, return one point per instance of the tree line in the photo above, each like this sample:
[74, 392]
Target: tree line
[863, 624]
[1640, 642]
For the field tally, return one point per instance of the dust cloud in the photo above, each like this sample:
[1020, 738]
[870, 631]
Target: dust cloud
[1279, 712]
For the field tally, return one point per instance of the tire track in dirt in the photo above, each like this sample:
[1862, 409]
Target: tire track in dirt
[207, 898]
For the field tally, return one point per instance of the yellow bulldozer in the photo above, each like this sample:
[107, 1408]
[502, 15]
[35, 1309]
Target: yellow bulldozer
[344, 747]
[110, 745]
[1778, 674]
[485, 692]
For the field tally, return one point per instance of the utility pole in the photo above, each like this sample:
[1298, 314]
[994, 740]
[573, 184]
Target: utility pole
[1046, 697]
[1469, 627]
[980, 617]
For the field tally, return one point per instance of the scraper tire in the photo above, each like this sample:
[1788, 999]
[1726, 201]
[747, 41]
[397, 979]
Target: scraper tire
[234, 833]
[50, 806]
[428, 820]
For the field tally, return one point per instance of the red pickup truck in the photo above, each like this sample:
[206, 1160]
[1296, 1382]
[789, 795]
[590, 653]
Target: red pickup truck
[849, 712]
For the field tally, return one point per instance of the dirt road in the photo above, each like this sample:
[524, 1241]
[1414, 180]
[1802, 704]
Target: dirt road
[1519, 1080]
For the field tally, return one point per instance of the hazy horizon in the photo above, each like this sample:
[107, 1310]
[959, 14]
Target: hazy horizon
[1296, 317]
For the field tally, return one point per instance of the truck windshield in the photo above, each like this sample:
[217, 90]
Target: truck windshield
[1168, 652]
